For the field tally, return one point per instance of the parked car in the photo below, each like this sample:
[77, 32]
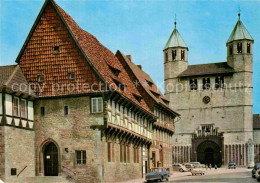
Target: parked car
[256, 167]
[257, 175]
[231, 165]
[196, 164]
[179, 167]
[189, 166]
[158, 173]
[196, 171]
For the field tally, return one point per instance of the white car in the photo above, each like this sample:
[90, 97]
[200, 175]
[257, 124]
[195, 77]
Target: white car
[179, 167]
[196, 171]
[257, 175]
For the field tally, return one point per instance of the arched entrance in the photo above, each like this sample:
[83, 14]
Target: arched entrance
[51, 159]
[209, 152]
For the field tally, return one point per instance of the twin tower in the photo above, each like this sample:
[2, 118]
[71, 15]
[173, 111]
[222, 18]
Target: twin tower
[239, 52]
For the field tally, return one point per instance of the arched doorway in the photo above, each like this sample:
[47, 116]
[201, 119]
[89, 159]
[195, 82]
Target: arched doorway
[209, 152]
[51, 159]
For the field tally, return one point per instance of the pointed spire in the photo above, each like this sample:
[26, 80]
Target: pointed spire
[175, 39]
[239, 32]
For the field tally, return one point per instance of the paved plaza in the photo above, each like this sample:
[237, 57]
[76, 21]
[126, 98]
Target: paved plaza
[222, 175]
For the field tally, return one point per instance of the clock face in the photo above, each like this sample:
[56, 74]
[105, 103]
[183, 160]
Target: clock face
[206, 99]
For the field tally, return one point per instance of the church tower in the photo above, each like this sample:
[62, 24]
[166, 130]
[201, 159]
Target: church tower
[240, 58]
[240, 48]
[175, 59]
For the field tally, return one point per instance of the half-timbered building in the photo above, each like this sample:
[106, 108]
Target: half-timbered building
[91, 122]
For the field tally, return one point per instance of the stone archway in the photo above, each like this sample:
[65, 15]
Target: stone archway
[209, 152]
[49, 149]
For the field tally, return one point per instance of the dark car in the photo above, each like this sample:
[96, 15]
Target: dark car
[158, 173]
[256, 167]
[231, 165]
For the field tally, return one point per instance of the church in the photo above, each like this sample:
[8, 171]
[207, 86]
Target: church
[215, 102]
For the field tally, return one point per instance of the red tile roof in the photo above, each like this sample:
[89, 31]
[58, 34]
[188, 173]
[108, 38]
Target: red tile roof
[12, 77]
[100, 59]
[147, 83]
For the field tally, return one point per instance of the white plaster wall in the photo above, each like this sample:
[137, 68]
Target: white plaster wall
[8, 104]
[30, 110]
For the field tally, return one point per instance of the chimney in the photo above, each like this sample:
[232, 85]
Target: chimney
[140, 66]
[129, 57]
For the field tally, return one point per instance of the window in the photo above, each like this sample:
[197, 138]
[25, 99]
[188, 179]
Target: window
[230, 49]
[166, 57]
[42, 111]
[174, 54]
[219, 82]
[128, 154]
[115, 71]
[109, 154]
[193, 84]
[182, 54]
[239, 47]
[66, 110]
[137, 97]
[81, 157]
[56, 48]
[96, 104]
[40, 78]
[121, 153]
[136, 155]
[15, 106]
[248, 47]
[23, 109]
[206, 83]
[72, 75]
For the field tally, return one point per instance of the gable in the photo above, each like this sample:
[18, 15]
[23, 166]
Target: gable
[39, 58]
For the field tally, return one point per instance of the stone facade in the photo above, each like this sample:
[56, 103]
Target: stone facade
[217, 112]
[18, 154]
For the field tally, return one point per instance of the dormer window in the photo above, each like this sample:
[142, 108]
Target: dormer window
[72, 75]
[56, 48]
[174, 54]
[230, 49]
[166, 57]
[149, 83]
[239, 47]
[120, 85]
[137, 97]
[248, 48]
[40, 78]
[115, 71]
[182, 54]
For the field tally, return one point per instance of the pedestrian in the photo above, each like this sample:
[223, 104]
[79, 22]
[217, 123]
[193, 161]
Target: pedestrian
[207, 167]
[210, 166]
[216, 167]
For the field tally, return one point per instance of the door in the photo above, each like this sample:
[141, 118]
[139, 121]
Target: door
[51, 160]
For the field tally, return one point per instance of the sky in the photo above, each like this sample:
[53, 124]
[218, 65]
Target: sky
[141, 28]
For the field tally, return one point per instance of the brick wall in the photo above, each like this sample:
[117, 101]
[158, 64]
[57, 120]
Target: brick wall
[39, 58]
[19, 153]
[72, 132]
